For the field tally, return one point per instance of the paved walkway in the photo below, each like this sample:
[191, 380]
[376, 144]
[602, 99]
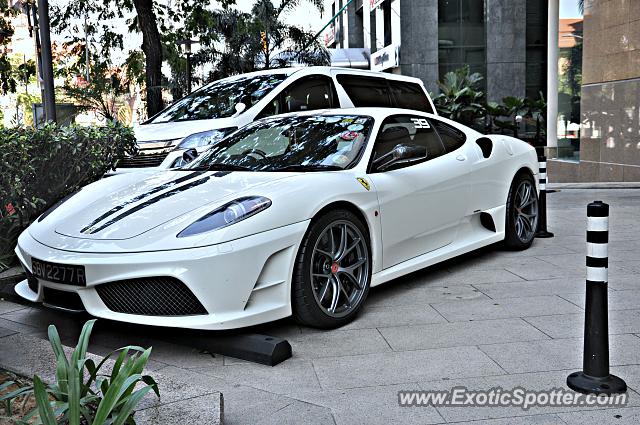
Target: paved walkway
[491, 318]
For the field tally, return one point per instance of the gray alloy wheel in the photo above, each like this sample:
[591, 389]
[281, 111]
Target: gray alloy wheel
[526, 211]
[339, 268]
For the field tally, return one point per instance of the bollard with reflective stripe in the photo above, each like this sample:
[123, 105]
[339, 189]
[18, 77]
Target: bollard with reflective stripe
[595, 377]
[541, 231]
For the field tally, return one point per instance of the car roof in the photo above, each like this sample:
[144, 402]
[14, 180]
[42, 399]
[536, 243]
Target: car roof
[324, 70]
[374, 112]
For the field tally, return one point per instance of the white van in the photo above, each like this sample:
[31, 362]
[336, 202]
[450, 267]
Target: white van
[215, 110]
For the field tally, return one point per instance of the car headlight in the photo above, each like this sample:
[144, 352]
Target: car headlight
[227, 215]
[205, 138]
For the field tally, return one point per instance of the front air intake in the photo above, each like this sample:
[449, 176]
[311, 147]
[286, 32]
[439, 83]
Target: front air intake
[152, 296]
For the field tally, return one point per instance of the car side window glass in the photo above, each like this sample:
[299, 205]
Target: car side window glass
[309, 93]
[366, 91]
[411, 131]
[410, 96]
[451, 137]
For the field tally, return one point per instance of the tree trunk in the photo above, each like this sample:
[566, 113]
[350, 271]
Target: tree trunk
[152, 48]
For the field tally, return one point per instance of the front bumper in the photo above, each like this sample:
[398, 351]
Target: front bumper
[240, 283]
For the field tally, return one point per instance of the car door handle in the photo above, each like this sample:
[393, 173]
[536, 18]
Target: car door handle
[461, 158]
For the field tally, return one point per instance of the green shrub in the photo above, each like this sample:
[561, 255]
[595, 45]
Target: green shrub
[84, 393]
[40, 166]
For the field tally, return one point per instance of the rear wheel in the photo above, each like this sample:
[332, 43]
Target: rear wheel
[333, 271]
[522, 213]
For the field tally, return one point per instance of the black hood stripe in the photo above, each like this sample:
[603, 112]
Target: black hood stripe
[147, 203]
[141, 197]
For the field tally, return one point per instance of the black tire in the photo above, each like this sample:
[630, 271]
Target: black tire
[307, 310]
[515, 238]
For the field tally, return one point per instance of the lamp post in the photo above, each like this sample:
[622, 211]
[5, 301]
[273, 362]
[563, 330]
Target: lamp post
[187, 51]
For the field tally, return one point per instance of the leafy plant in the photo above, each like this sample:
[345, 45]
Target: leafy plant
[40, 166]
[460, 98]
[103, 398]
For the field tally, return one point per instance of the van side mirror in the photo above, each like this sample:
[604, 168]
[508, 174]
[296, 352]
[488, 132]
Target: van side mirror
[189, 155]
[240, 108]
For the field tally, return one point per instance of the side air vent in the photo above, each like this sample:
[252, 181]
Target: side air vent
[486, 145]
[487, 221]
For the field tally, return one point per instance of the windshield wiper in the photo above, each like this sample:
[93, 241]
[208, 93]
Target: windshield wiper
[228, 167]
[317, 167]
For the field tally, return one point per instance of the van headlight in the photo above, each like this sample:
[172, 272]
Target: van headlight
[228, 214]
[205, 138]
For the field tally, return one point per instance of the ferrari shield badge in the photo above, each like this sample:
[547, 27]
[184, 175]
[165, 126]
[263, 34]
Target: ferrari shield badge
[364, 183]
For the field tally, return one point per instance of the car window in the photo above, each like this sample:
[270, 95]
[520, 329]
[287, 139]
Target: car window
[306, 143]
[451, 137]
[306, 94]
[219, 99]
[366, 91]
[410, 96]
[408, 130]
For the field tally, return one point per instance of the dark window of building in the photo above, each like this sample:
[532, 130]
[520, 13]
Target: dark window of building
[409, 96]
[461, 36]
[451, 137]
[386, 10]
[366, 91]
[536, 34]
[306, 94]
[408, 130]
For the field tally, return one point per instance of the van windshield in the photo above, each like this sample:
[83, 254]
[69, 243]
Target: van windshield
[218, 99]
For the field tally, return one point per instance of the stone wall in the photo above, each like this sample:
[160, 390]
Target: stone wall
[610, 106]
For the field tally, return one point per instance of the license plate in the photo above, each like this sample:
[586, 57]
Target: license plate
[59, 273]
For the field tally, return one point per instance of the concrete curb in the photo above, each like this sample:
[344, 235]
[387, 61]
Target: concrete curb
[28, 356]
[598, 185]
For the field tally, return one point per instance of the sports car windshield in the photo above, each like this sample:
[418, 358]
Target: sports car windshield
[294, 143]
[219, 99]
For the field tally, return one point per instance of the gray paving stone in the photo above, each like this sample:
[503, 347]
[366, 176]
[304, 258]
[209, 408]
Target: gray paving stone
[473, 277]
[556, 354]
[338, 343]
[521, 420]
[373, 406]
[403, 367]
[630, 374]
[618, 300]
[542, 381]
[404, 338]
[290, 377]
[390, 295]
[572, 325]
[504, 308]
[8, 306]
[380, 316]
[297, 412]
[6, 332]
[617, 416]
[205, 410]
[533, 288]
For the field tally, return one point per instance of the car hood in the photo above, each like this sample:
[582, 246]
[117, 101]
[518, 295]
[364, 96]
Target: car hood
[125, 206]
[145, 211]
[146, 133]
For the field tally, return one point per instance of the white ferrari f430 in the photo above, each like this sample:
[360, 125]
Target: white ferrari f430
[297, 214]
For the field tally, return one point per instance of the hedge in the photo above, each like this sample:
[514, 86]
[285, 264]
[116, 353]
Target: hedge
[40, 166]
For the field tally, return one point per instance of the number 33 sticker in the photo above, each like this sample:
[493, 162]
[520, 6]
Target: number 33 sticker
[421, 122]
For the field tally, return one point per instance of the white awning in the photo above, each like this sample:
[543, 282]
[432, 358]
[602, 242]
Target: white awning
[350, 58]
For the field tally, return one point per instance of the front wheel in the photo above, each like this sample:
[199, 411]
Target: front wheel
[333, 271]
[522, 213]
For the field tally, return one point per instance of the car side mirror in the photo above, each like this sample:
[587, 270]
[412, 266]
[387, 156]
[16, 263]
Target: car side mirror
[240, 108]
[189, 155]
[400, 154]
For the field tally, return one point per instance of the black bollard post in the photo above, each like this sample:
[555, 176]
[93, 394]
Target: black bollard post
[541, 231]
[595, 377]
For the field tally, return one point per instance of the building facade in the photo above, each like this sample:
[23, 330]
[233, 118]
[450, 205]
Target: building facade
[504, 40]
[610, 102]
